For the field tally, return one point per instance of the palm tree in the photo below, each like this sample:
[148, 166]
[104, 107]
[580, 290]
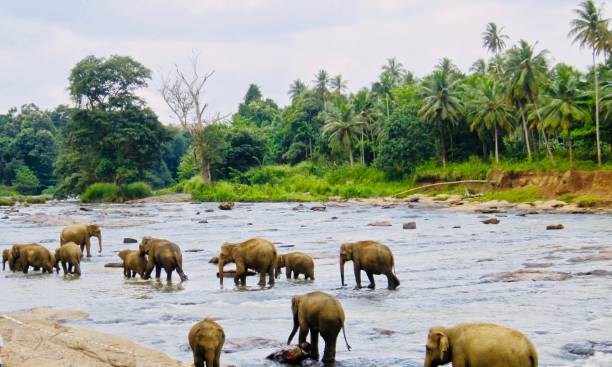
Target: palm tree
[341, 127]
[448, 68]
[493, 39]
[590, 29]
[488, 110]
[364, 107]
[321, 82]
[525, 72]
[562, 107]
[296, 88]
[441, 105]
[395, 70]
[382, 88]
[479, 66]
[338, 84]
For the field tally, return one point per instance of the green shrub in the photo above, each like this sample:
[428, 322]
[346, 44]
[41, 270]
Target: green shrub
[527, 194]
[137, 190]
[101, 193]
[7, 191]
[26, 182]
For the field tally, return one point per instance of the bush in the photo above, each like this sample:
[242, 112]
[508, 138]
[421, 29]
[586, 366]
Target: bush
[26, 182]
[101, 193]
[527, 194]
[137, 190]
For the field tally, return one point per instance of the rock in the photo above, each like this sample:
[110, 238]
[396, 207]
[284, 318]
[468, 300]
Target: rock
[203, 221]
[130, 240]
[456, 226]
[5, 217]
[319, 208]
[554, 226]
[334, 218]
[588, 348]
[286, 246]
[209, 210]
[601, 256]
[491, 221]
[538, 265]
[214, 260]
[197, 213]
[409, 225]
[85, 209]
[299, 207]
[529, 275]
[383, 331]
[249, 224]
[492, 210]
[194, 250]
[596, 273]
[414, 199]
[113, 265]
[380, 223]
[226, 205]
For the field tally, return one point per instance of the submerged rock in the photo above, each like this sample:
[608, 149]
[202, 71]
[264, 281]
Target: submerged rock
[226, 205]
[491, 221]
[380, 223]
[528, 275]
[113, 265]
[214, 260]
[554, 226]
[130, 240]
[409, 225]
[383, 331]
[319, 208]
[588, 348]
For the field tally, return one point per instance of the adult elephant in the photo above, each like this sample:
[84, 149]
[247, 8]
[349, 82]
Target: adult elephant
[34, 255]
[372, 257]
[162, 254]
[69, 254]
[81, 234]
[318, 313]
[296, 263]
[479, 345]
[206, 338]
[257, 254]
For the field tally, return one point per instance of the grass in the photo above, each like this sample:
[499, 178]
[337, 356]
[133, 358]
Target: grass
[527, 194]
[11, 200]
[110, 193]
[584, 201]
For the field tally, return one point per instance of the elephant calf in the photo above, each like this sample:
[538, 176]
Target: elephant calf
[7, 256]
[296, 263]
[318, 313]
[34, 255]
[372, 257]
[162, 254]
[206, 338]
[479, 345]
[257, 254]
[81, 234]
[133, 263]
[69, 254]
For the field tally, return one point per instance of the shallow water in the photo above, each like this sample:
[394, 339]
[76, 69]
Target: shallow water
[441, 269]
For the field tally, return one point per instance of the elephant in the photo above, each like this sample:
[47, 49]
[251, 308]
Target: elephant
[133, 263]
[372, 257]
[479, 345]
[296, 263]
[206, 338]
[318, 313]
[7, 256]
[257, 254]
[81, 234]
[34, 255]
[162, 254]
[69, 253]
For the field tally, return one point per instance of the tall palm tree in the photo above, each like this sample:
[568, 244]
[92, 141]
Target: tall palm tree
[487, 109]
[441, 105]
[296, 88]
[590, 29]
[382, 88]
[479, 66]
[563, 105]
[493, 39]
[364, 107]
[448, 68]
[338, 84]
[395, 70]
[342, 128]
[321, 82]
[525, 72]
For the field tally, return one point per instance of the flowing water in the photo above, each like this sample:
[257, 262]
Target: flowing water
[443, 272]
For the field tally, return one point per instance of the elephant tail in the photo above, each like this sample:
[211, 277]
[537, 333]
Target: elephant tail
[345, 341]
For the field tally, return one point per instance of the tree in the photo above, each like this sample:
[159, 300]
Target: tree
[563, 105]
[182, 91]
[253, 94]
[338, 84]
[321, 83]
[441, 106]
[382, 88]
[478, 67]
[487, 109]
[26, 182]
[296, 88]
[341, 127]
[525, 71]
[494, 41]
[590, 29]
[395, 70]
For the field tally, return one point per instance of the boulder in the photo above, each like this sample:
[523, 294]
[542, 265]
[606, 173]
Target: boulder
[554, 226]
[318, 208]
[130, 240]
[380, 223]
[226, 205]
[491, 221]
[383, 331]
[588, 348]
[214, 260]
[113, 265]
[409, 225]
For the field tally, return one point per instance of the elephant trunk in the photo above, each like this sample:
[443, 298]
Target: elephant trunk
[342, 271]
[221, 264]
[99, 242]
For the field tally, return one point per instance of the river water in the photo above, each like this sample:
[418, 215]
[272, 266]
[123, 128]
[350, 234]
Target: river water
[443, 272]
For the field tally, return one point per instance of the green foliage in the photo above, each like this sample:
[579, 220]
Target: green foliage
[473, 169]
[518, 195]
[7, 191]
[11, 200]
[26, 182]
[188, 166]
[101, 193]
[137, 190]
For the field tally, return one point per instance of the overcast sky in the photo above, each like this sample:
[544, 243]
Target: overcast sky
[268, 42]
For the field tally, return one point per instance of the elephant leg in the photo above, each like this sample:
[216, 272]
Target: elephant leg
[36, 268]
[217, 362]
[70, 268]
[157, 272]
[210, 358]
[314, 344]
[392, 280]
[240, 277]
[372, 284]
[357, 270]
[77, 269]
[25, 267]
[262, 279]
[82, 249]
[64, 267]
[329, 354]
[88, 246]
[271, 275]
[181, 273]
[198, 361]
[288, 272]
[303, 333]
[168, 275]
[133, 273]
[126, 271]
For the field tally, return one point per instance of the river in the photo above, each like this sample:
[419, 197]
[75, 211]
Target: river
[444, 267]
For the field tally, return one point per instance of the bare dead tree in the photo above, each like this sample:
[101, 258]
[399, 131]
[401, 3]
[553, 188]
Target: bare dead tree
[182, 91]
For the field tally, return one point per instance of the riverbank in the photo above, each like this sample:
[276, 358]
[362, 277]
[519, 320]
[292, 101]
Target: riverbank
[41, 338]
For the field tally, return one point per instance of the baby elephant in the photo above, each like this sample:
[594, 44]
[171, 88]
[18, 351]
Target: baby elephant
[296, 263]
[206, 339]
[373, 258]
[162, 254]
[479, 345]
[133, 263]
[7, 256]
[69, 253]
[34, 255]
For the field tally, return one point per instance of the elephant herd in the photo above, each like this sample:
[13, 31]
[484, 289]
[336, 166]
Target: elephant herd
[314, 313]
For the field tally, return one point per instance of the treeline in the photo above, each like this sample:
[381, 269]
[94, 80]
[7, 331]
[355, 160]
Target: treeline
[515, 105]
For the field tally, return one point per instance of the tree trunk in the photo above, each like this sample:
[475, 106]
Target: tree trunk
[597, 109]
[362, 150]
[571, 154]
[205, 171]
[350, 153]
[526, 132]
[496, 147]
[442, 147]
[545, 136]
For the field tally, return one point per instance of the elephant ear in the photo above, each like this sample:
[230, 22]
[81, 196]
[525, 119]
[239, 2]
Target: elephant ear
[443, 346]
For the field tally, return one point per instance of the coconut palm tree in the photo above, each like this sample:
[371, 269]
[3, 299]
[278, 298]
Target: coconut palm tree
[342, 128]
[321, 82]
[487, 109]
[441, 105]
[493, 40]
[296, 88]
[562, 107]
[338, 84]
[382, 88]
[395, 70]
[448, 68]
[590, 29]
[364, 106]
[525, 71]
[478, 67]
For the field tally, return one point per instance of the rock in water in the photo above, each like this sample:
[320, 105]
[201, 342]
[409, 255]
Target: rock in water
[113, 265]
[214, 260]
[554, 226]
[320, 208]
[226, 205]
[380, 223]
[491, 221]
[409, 225]
[129, 240]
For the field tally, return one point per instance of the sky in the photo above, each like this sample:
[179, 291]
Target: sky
[267, 42]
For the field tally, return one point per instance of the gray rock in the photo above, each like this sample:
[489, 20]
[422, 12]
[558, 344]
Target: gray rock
[129, 240]
[491, 221]
[409, 225]
[554, 226]
[380, 223]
